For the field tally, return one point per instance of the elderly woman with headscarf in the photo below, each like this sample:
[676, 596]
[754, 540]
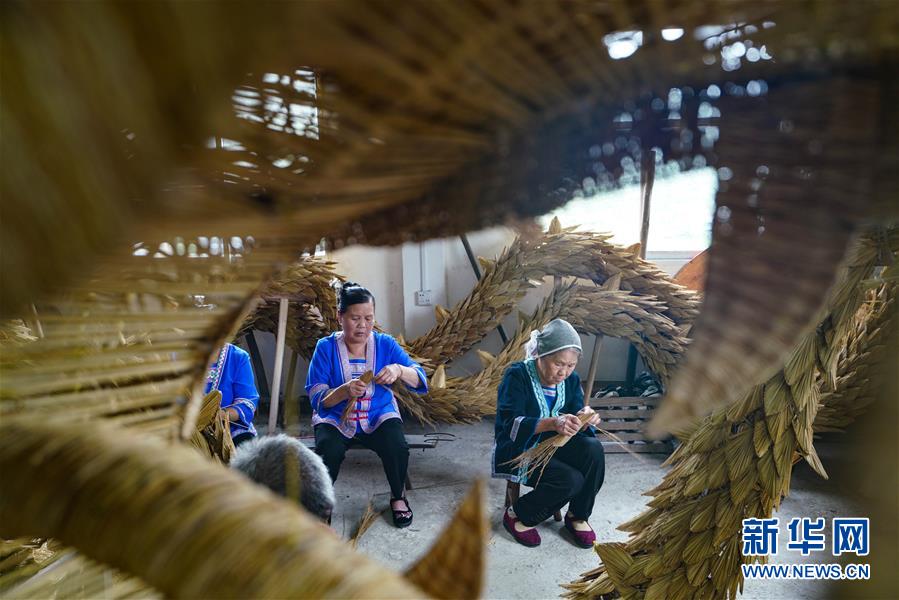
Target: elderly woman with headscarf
[538, 398]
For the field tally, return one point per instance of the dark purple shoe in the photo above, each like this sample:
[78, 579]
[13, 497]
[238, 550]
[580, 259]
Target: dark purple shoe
[528, 538]
[584, 539]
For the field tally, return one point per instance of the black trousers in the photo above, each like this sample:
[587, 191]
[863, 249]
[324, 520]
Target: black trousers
[387, 441]
[573, 476]
[240, 438]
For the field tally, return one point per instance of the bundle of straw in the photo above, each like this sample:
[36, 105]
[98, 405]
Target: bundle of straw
[539, 456]
[212, 436]
[654, 325]
[351, 402]
[368, 519]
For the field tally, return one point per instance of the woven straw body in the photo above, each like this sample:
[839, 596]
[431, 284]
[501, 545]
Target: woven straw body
[132, 126]
[735, 464]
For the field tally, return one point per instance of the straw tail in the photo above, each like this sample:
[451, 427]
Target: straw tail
[737, 464]
[365, 522]
[170, 517]
[454, 566]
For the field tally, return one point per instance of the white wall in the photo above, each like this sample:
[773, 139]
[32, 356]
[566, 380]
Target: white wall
[423, 268]
[381, 271]
[460, 280]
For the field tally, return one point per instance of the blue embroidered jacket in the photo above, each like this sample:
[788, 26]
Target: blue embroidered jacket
[518, 409]
[330, 367]
[232, 375]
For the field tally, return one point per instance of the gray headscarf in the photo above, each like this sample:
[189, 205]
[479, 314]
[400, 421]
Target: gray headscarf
[557, 335]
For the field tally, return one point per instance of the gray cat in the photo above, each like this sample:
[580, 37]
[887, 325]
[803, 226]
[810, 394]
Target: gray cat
[265, 460]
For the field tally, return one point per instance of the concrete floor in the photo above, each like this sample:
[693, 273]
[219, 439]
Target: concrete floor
[441, 477]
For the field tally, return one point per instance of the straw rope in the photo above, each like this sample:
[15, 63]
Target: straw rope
[312, 314]
[848, 393]
[643, 320]
[735, 464]
[873, 461]
[185, 542]
[590, 310]
[524, 264]
[520, 267]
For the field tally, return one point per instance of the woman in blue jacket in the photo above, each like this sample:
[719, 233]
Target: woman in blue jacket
[333, 381]
[232, 375]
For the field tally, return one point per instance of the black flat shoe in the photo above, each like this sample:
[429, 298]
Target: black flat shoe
[401, 518]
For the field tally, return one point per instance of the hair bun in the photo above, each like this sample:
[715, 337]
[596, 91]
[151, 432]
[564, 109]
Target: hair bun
[349, 293]
[341, 287]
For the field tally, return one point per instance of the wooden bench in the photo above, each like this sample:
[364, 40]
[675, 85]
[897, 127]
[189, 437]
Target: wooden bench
[512, 492]
[415, 442]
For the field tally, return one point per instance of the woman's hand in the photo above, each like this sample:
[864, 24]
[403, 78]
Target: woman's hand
[355, 388]
[567, 425]
[231, 414]
[389, 374]
[594, 417]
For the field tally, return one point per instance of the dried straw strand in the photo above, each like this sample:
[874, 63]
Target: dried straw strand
[539, 456]
[368, 519]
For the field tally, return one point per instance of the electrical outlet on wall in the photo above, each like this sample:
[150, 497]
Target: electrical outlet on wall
[423, 298]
